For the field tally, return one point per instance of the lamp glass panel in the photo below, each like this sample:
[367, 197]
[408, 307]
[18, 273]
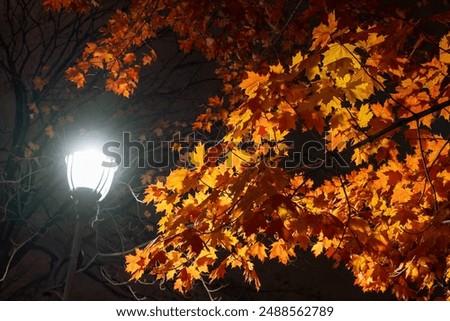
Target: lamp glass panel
[86, 169]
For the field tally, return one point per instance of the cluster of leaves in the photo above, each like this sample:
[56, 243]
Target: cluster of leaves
[371, 91]
[387, 220]
[237, 34]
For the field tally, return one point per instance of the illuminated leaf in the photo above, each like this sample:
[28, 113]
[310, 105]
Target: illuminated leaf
[176, 178]
[317, 248]
[258, 250]
[129, 58]
[197, 157]
[252, 83]
[337, 51]
[322, 33]
[280, 250]
[364, 115]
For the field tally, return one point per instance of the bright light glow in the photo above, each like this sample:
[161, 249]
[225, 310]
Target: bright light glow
[85, 169]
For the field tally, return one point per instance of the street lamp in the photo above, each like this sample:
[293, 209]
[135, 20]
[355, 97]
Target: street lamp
[90, 174]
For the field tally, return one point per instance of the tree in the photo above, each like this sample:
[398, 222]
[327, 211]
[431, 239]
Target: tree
[366, 84]
[41, 116]
[36, 48]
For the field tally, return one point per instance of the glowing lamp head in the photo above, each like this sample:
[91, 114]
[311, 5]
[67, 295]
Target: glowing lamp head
[90, 172]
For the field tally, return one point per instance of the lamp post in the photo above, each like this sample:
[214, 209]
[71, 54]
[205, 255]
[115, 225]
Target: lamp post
[90, 174]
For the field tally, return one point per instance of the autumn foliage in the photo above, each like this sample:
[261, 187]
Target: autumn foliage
[367, 81]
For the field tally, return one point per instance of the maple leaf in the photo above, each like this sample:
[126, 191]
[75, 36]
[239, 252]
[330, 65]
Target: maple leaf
[136, 263]
[360, 156]
[322, 33]
[253, 82]
[176, 178]
[401, 194]
[147, 60]
[219, 272]
[364, 115]
[372, 40]
[197, 157]
[258, 250]
[74, 75]
[337, 51]
[183, 282]
[279, 249]
[317, 248]
[129, 58]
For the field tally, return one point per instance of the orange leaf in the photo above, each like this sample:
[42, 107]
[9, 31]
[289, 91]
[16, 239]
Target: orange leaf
[322, 33]
[258, 250]
[280, 250]
[74, 75]
[129, 58]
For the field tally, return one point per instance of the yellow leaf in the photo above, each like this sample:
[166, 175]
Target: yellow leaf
[228, 239]
[360, 156]
[401, 194]
[137, 263]
[278, 69]
[317, 248]
[175, 179]
[447, 274]
[364, 115]
[411, 270]
[372, 40]
[197, 157]
[252, 83]
[341, 82]
[336, 52]
[298, 58]
[193, 272]
[209, 178]
[379, 242]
